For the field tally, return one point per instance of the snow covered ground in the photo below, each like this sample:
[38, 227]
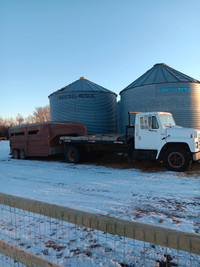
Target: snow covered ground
[159, 197]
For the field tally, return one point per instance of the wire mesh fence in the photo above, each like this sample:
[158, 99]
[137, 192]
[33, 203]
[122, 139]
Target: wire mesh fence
[34, 233]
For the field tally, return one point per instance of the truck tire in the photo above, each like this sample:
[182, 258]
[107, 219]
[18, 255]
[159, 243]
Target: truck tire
[22, 154]
[15, 154]
[72, 154]
[177, 159]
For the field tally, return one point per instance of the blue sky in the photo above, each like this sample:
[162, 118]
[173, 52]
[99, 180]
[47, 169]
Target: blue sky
[47, 44]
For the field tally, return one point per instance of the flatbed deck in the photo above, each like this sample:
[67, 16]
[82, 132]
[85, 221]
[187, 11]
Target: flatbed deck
[99, 139]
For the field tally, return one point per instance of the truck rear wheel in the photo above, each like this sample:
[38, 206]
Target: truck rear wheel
[177, 159]
[72, 154]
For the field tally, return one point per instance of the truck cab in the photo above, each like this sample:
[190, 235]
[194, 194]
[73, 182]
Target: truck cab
[158, 136]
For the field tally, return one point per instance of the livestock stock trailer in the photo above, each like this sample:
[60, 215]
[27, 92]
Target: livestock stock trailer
[41, 139]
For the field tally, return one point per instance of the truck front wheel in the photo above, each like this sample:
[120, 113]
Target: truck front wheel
[72, 154]
[177, 159]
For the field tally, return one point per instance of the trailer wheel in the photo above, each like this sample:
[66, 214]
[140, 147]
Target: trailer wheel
[72, 154]
[177, 159]
[15, 154]
[22, 154]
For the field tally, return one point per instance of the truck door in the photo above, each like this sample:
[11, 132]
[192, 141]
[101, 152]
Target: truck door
[148, 133]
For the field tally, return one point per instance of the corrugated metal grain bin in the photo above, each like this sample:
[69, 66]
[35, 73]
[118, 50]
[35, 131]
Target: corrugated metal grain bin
[163, 88]
[85, 102]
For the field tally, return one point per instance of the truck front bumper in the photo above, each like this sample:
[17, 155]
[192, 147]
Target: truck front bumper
[196, 156]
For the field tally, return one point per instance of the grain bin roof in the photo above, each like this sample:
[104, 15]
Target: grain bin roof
[83, 85]
[160, 73]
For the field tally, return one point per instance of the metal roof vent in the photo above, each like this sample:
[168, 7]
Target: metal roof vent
[157, 64]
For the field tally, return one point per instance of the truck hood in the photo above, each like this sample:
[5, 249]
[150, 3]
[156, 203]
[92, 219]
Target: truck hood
[178, 131]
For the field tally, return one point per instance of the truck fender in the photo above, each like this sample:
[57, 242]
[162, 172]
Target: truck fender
[163, 148]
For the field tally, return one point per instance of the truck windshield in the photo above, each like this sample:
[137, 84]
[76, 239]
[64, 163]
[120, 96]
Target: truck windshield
[167, 121]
